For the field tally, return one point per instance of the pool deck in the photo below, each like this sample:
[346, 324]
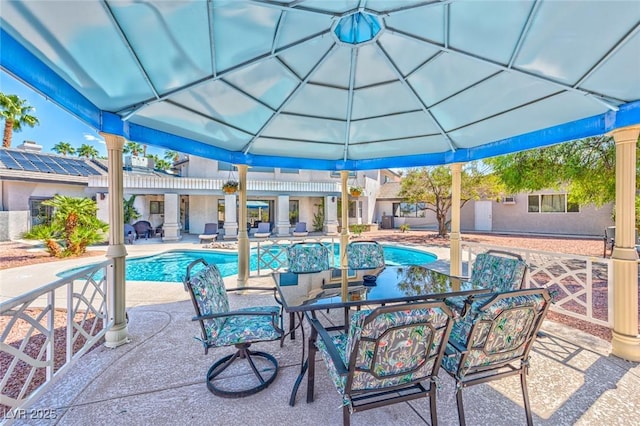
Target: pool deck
[158, 378]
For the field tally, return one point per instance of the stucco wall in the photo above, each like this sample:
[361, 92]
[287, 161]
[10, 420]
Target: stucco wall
[590, 221]
[202, 209]
[13, 224]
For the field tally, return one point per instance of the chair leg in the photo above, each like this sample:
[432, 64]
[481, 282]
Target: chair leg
[346, 416]
[432, 405]
[311, 361]
[460, 407]
[292, 325]
[525, 396]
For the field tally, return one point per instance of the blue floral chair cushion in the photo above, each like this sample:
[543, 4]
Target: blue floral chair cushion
[494, 332]
[498, 273]
[365, 255]
[211, 297]
[308, 257]
[390, 348]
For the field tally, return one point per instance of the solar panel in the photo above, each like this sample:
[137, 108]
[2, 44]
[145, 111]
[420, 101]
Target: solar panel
[8, 160]
[50, 161]
[69, 166]
[36, 160]
[23, 162]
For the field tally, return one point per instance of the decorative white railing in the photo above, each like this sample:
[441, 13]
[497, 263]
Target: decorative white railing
[186, 183]
[581, 285]
[272, 252]
[39, 341]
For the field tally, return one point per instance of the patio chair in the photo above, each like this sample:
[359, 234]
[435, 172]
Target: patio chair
[129, 233]
[264, 230]
[498, 270]
[610, 241]
[390, 354]
[493, 341]
[210, 232]
[300, 230]
[221, 327]
[143, 229]
[365, 255]
[306, 258]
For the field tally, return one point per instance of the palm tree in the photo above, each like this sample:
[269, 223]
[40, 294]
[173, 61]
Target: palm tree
[133, 148]
[87, 151]
[15, 112]
[74, 222]
[172, 156]
[63, 148]
[161, 164]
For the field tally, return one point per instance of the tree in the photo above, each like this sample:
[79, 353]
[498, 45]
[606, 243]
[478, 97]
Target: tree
[74, 226]
[63, 148]
[163, 165]
[133, 148]
[585, 168]
[16, 113]
[130, 212]
[87, 151]
[172, 156]
[432, 186]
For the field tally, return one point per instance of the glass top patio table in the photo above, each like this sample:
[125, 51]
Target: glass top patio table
[393, 284]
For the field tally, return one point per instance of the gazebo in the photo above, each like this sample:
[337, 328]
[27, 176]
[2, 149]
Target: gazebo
[342, 85]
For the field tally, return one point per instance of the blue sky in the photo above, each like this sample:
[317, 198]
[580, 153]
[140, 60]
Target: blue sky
[56, 124]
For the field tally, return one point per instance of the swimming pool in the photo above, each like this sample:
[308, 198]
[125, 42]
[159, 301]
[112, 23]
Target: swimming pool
[171, 266]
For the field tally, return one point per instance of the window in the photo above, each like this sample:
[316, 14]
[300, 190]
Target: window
[294, 211]
[221, 210]
[409, 209]
[291, 171]
[40, 214]
[353, 205]
[551, 203]
[352, 174]
[156, 207]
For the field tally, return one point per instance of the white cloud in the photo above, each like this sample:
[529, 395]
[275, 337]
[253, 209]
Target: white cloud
[92, 138]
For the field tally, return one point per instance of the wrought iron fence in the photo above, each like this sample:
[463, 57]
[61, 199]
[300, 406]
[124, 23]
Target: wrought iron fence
[44, 331]
[581, 286]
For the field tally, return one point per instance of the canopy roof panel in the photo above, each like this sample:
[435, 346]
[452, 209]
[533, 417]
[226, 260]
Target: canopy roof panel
[338, 84]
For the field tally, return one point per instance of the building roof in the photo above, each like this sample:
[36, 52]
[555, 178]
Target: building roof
[26, 165]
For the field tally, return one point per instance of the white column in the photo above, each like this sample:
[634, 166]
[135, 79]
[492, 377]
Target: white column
[171, 224]
[344, 236]
[455, 253]
[283, 227]
[625, 342]
[243, 236]
[230, 217]
[118, 334]
[330, 215]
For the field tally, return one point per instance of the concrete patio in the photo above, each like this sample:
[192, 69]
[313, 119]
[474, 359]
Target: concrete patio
[158, 378]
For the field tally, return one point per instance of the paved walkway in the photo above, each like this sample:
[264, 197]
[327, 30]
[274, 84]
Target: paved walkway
[158, 378]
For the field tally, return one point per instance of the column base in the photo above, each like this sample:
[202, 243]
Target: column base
[626, 347]
[117, 335]
[330, 228]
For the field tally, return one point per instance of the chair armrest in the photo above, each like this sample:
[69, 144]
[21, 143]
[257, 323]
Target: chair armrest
[252, 288]
[331, 348]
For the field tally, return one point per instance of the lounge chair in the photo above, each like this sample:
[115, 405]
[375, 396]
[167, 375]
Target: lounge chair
[210, 232]
[264, 230]
[300, 230]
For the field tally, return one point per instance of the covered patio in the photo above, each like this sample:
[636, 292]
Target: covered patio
[158, 379]
[350, 85]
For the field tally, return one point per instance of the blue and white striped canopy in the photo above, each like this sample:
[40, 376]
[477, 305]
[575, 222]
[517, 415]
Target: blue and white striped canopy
[333, 84]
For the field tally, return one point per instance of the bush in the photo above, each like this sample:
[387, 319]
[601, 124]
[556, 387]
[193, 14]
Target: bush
[404, 227]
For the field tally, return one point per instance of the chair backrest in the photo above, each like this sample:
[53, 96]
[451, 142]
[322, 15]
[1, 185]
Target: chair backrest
[498, 272]
[128, 229]
[396, 345]
[209, 296]
[365, 255]
[210, 228]
[300, 227]
[142, 226]
[264, 227]
[308, 257]
[501, 330]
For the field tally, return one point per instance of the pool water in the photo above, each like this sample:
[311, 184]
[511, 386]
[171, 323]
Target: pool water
[171, 266]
